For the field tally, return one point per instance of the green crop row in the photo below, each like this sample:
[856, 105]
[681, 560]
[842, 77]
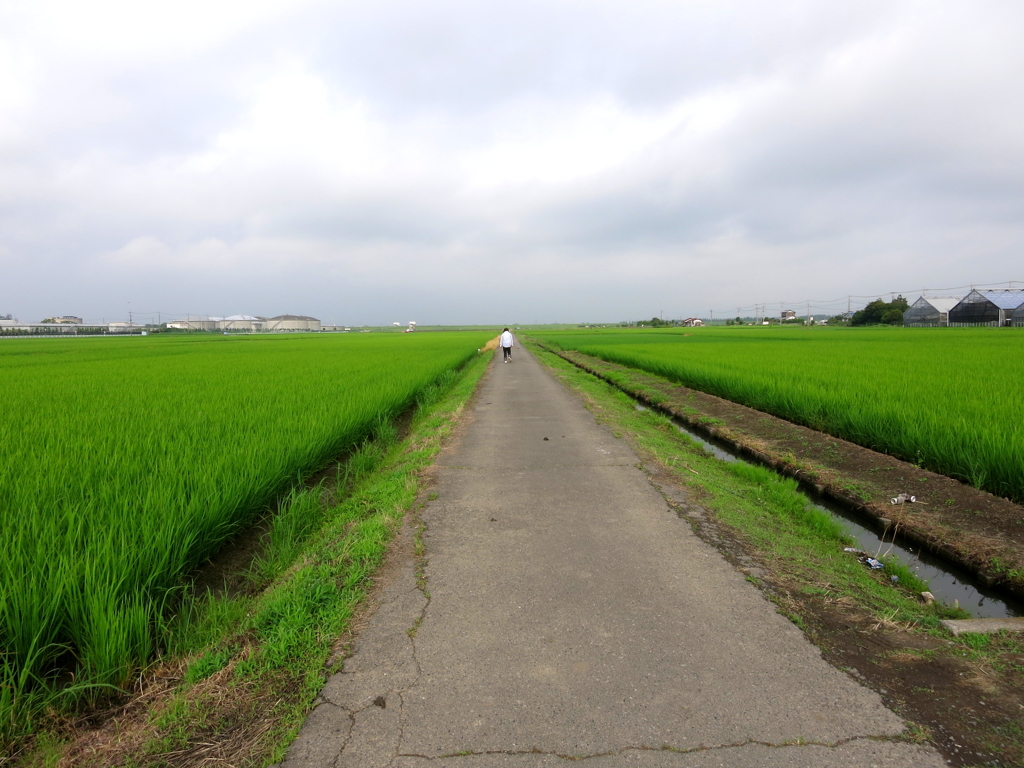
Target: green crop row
[127, 462]
[949, 400]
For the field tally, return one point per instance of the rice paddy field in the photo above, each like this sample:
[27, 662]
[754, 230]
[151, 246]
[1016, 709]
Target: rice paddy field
[127, 462]
[950, 400]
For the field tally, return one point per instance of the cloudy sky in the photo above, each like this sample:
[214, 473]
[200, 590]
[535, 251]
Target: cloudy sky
[477, 162]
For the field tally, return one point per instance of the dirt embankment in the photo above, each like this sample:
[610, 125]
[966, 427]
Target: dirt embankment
[980, 532]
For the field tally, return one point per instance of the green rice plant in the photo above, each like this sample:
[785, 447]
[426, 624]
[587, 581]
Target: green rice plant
[297, 516]
[946, 399]
[125, 463]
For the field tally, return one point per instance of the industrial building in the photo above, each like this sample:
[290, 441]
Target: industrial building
[15, 328]
[195, 323]
[241, 323]
[930, 312]
[292, 323]
[992, 308]
[250, 323]
[64, 319]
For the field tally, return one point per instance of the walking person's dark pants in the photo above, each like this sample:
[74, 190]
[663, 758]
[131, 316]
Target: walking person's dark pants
[507, 352]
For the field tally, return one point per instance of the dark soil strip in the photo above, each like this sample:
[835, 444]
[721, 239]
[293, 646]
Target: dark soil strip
[975, 530]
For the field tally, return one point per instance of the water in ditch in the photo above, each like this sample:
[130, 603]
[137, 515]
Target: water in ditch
[949, 584]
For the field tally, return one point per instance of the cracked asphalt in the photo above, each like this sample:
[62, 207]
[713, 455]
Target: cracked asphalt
[569, 614]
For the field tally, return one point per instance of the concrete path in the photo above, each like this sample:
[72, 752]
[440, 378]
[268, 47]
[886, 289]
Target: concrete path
[569, 614]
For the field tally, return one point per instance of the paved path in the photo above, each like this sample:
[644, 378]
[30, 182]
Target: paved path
[572, 614]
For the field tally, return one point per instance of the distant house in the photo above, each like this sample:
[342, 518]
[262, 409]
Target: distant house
[993, 308]
[927, 312]
[693, 322]
[788, 314]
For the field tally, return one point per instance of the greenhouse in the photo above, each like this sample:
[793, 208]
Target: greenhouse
[929, 312]
[995, 308]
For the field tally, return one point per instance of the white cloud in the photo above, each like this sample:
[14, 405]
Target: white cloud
[139, 251]
[605, 156]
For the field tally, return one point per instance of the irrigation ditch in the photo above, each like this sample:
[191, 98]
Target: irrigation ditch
[876, 537]
[967, 571]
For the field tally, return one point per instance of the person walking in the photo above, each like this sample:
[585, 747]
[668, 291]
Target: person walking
[505, 342]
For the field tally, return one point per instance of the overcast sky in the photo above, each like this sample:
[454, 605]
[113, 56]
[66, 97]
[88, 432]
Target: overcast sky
[478, 162]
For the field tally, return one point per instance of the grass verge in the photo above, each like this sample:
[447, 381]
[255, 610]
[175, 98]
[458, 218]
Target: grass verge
[880, 632]
[242, 669]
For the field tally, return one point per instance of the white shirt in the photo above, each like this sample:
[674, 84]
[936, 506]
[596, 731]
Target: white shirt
[506, 339]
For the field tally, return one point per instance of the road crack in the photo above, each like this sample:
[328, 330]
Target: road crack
[789, 744]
